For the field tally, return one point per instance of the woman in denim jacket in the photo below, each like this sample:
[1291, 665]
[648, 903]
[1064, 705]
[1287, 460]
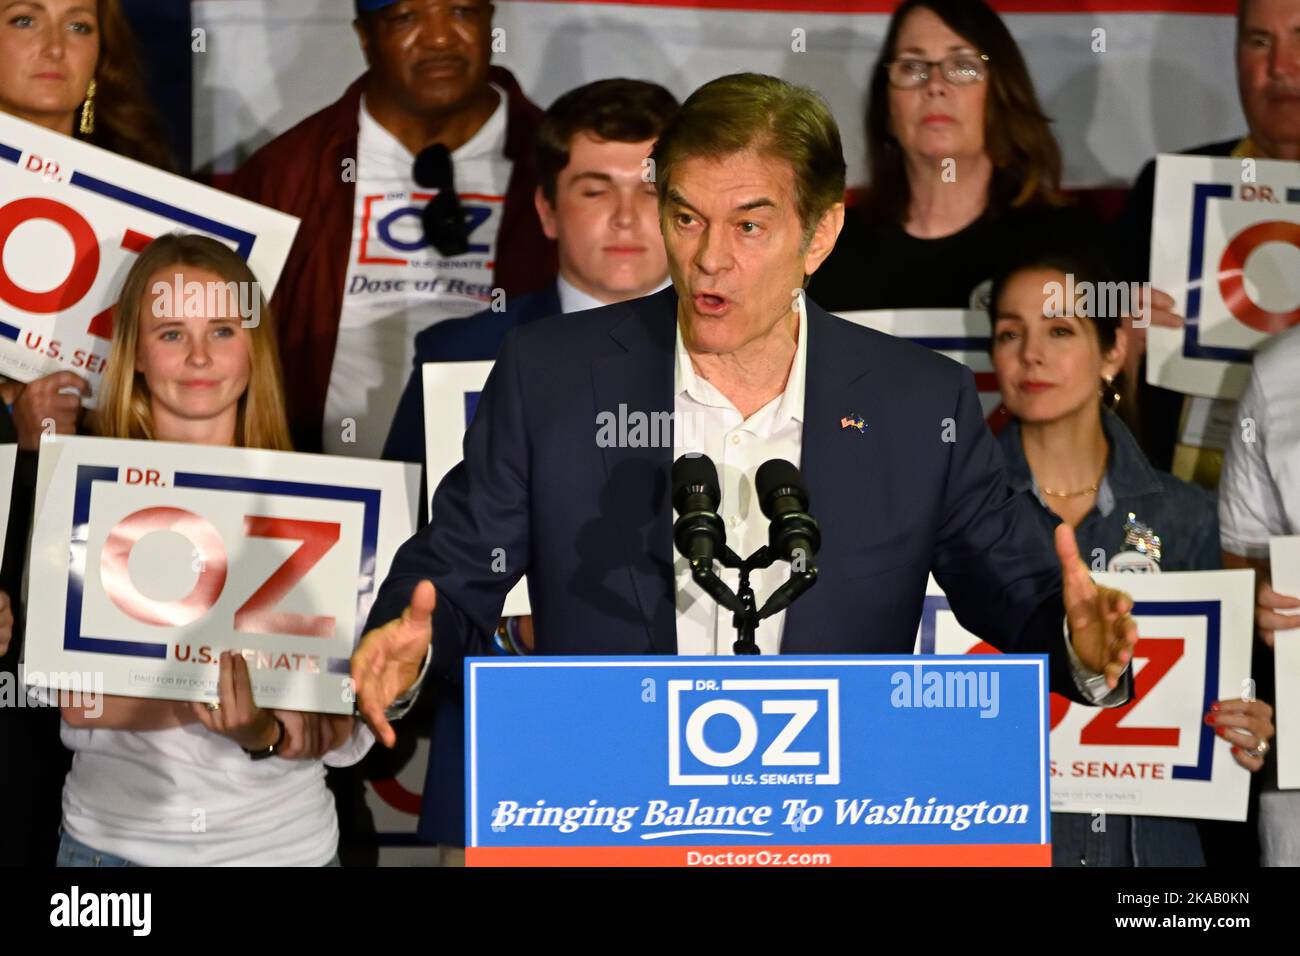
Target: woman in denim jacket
[1057, 362]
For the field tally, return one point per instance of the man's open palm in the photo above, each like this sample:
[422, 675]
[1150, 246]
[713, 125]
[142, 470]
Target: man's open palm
[1101, 629]
[389, 658]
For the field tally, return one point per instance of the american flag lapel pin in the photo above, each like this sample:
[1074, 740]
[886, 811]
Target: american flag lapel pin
[853, 421]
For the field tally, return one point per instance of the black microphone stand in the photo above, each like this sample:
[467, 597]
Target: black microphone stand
[742, 603]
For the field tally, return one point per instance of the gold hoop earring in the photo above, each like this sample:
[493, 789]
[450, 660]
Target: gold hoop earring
[88, 111]
[1110, 397]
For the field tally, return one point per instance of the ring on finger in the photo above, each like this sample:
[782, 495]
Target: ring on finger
[1261, 749]
[214, 706]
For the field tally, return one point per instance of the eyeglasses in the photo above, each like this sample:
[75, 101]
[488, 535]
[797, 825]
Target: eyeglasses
[959, 69]
[443, 218]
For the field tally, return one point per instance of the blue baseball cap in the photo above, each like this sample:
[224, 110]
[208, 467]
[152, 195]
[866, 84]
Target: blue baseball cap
[366, 6]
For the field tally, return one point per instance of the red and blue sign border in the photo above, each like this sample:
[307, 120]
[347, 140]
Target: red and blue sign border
[1212, 611]
[87, 475]
[1202, 193]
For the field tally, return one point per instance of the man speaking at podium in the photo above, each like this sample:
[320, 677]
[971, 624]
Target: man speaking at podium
[566, 469]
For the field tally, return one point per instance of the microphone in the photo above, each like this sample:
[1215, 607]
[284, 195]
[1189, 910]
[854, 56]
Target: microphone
[698, 533]
[793, 533]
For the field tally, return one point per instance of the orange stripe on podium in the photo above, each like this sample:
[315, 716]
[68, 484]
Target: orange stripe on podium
[1029, 854]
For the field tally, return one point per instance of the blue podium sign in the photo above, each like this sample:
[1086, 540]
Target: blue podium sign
[679, 761]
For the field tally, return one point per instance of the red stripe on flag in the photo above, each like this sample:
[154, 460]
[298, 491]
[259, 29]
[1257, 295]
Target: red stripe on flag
[1029, 854]
[1206, 7]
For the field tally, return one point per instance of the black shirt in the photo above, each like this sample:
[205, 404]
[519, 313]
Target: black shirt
[878, 265]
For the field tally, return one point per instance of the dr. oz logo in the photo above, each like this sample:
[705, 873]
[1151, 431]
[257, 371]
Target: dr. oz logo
[731, 731]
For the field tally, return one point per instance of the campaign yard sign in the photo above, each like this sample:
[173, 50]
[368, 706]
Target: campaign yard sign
[963, 335]
[1225, 243]
[779, 761]
[451, 392]
[149, 559]
[72, 219]
[1154, 756]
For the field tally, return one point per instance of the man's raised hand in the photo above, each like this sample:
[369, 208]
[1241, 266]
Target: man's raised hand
[1101, 629]
[388, 660]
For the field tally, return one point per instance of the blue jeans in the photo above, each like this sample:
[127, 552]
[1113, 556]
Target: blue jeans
[75, 853]
[1079, 839]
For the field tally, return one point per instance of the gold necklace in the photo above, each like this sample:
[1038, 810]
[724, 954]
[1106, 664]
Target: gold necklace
[1076, 494]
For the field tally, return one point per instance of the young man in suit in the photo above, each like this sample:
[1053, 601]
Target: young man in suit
[594, 200]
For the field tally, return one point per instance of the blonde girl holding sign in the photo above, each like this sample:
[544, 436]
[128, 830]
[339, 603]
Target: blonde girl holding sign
[171, 783]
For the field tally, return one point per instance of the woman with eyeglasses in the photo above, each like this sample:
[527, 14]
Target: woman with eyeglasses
[963, 164]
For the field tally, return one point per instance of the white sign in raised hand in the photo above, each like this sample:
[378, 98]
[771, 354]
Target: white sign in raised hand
[73, 217]
[1225, 243]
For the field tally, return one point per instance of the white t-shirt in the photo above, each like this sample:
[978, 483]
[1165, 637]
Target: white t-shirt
[1259, 489]
[189, 797]
[397, 284]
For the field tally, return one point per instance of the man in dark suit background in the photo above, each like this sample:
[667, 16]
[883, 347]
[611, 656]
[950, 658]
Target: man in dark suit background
[750, 177]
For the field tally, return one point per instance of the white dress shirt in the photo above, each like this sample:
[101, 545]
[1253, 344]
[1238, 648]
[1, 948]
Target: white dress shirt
[707, 422]
[573, 299]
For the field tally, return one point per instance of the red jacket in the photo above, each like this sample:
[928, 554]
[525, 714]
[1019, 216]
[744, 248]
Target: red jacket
[301, 173]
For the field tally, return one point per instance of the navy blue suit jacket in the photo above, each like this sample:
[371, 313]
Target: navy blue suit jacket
[472, 339]
[923, 488]
[475, 338]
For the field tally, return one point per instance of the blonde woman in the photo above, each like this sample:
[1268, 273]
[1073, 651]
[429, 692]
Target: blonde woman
[146, 772]
[71, 67]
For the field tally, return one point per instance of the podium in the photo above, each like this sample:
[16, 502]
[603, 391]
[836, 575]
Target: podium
[757, 761]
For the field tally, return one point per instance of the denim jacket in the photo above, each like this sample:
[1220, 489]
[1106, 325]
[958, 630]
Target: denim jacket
[1184, 516]
[1186, 519]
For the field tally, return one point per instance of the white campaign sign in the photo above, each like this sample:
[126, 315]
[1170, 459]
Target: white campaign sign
[149, 559]
[1155, 756]
[8, 460]
[1284, 561]
[451, 391]
[961, 334]
[72, 219]
[1225, 243]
